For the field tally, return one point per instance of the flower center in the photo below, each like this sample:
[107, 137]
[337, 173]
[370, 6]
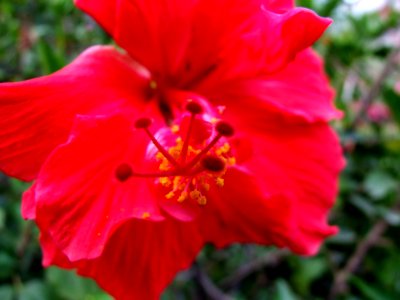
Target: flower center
[193, 162]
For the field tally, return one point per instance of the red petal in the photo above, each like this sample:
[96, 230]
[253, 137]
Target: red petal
[51, 254]
[79, 199]
[300, 29]
[262, 43]
[241, 211]
[28, 207]
[295, 169]
[155, 33]
[37, 115]
[188, 41]
[140, 259]
[301, 89]
[302, 162]
[279, 5]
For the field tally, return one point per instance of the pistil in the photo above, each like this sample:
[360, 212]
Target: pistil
[194, 108]
[184, 169]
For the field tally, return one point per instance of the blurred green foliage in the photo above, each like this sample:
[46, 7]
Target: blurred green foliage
[40, 36]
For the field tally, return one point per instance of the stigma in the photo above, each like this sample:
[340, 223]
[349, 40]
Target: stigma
[194, 162]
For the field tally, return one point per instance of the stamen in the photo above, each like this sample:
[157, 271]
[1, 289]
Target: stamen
[123, 172]
[213, 163]
[224, 129]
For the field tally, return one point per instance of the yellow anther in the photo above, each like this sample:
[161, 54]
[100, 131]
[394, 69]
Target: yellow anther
[224, 149]
[159, 156]
[165, 181]
[145, 215]
[170, 195]
[174, 152]
[153, 85]
[195, 151]
[164, 166]
[183, 197]
[206, 186]
[231, 161]
[202, 200]
[220, 182]
[195, 194]
[174, 128]
[214, 120]
[177, 182]
[191, 150]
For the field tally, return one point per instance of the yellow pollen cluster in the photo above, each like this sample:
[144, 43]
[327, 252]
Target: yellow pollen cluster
[192, 185]
[198, 196]
[145, 215]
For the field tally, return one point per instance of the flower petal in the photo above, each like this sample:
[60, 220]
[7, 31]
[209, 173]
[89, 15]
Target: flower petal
[295, 167]
[37, 115]
[242, 212]
[140, 258]
[51, 254]
[301, 89]
[254, 36]
[144, 28]
[300, 29]
[279, 5]
[304, 161]
[258, 43]
[28, 206]
[80, 201]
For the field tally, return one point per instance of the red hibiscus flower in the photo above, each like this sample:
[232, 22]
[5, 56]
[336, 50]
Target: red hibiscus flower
[210, 127]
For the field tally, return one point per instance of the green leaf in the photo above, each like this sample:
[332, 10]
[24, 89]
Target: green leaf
[33, 290]
[363, 205]
[6, 292]
[307, 270]
[369, 291]
[283, 291]
[305, 3]
[2, 218]
[50, 60]
[68, 285]
[392, 217]
[7, 265]
[329, 7]
[379, 184]
[392, 99]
